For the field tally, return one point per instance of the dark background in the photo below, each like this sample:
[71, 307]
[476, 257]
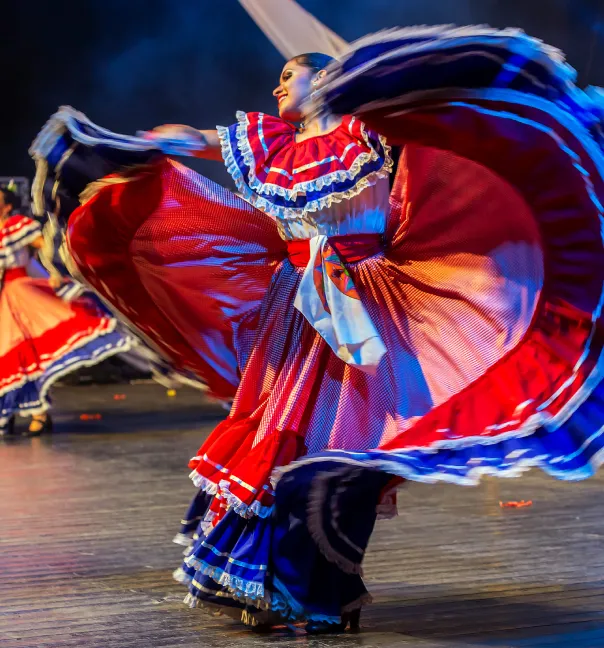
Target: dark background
[133, 64]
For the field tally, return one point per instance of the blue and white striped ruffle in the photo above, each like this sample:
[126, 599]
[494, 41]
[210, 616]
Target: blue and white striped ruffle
[30, 396]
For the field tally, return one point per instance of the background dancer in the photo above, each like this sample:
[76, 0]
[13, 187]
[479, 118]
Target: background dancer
[42, 336]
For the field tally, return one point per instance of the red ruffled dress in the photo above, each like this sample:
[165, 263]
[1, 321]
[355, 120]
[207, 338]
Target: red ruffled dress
[42, 336]
[443, 330]
[336, 315]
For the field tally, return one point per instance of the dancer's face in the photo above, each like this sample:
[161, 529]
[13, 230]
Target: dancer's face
[295, 85]
[5, 209]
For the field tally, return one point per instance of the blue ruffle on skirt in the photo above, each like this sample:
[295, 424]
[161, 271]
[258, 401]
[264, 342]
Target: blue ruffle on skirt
[32, 397]
[273, 563]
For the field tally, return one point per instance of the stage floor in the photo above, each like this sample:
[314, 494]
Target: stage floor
[87, 517]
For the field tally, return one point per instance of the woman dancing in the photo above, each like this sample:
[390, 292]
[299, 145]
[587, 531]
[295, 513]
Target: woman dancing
[447, 329]
[42, 336]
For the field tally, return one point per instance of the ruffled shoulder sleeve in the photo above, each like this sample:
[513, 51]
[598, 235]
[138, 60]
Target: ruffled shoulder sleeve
[258, 136]
[285, 178]
[19, 231]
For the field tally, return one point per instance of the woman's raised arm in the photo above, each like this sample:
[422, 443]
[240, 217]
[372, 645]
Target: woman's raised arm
[210, 148]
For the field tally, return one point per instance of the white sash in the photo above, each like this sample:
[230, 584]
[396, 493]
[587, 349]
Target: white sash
[329, 301]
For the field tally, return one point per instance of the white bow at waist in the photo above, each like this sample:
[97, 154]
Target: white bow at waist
[328, 299]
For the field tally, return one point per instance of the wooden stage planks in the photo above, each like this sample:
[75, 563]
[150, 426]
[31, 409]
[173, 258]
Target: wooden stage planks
[87, 517]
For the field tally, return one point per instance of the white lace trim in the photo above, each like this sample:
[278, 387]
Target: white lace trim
[42, 405]
[255, 192]
[233, 502]
[183, 539]
[279, 602]
[240, 590]
[44, 362]
[253, 591]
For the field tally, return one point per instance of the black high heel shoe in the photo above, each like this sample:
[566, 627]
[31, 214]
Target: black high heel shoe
[350, 620]
[262, 622]
[8, 429]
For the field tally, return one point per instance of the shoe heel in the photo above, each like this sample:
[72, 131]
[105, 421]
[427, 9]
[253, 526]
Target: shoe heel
[8, 429]
[45, 429]
[353, 620]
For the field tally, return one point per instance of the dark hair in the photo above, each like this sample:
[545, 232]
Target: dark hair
[10, 198]
[314, 60]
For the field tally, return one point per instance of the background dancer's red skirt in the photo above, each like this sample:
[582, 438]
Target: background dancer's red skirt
[44, 337]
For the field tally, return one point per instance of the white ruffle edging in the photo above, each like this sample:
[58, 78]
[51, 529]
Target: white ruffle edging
[258, 193]
[43, 405]
[233, 502]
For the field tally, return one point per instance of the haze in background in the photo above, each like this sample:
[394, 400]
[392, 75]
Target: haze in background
[133, 64]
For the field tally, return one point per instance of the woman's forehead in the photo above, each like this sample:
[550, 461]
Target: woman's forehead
[291, 65]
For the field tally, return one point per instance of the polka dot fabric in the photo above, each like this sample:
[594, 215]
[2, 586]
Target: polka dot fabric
[206, 277]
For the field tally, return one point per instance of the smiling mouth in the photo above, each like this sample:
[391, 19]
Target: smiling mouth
[281, 99]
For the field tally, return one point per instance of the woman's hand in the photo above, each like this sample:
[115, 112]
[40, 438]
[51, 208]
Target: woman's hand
[55, 281]
[207, 140]
[179, 131]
